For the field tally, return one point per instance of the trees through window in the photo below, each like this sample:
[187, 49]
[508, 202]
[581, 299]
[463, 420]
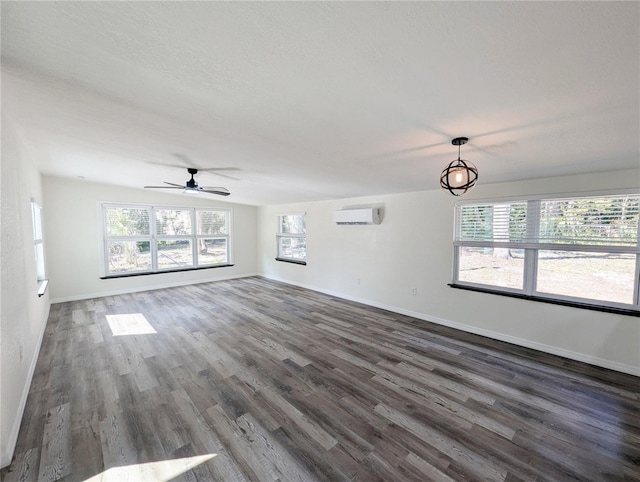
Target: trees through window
[582, 249]
[292, 238]
[148, 239]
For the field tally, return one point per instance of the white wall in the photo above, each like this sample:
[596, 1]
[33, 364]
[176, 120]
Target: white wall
[72, 237]
[23, 314]
[379, 265]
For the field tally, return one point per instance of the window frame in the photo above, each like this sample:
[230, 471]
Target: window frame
[153, 238]
[158, 238]
[38, 241]
[280, 236]
[227, 237]
[532, 249]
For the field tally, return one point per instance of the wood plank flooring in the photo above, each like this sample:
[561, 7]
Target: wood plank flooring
[252, 379]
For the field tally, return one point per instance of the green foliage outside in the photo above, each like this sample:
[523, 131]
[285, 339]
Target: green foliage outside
[293, 224]
[212, 222]
[610, 220]
[127, 222]
[134, 254]
[605, 220]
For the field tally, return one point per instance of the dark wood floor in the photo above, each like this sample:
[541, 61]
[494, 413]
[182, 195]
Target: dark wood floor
[256, 380]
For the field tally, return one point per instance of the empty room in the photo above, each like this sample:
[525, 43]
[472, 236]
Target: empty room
[320, 241]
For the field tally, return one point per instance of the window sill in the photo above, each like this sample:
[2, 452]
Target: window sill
[42, 287]
[146, 273]
[294, 261]
[573, 304]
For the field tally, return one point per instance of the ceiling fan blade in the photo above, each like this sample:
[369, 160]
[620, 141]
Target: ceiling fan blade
[183, 158]
[164, 164]
[219, 193]
[189, 162]
[215, 172]
[214, 188]
[213, 169]
[192, 185]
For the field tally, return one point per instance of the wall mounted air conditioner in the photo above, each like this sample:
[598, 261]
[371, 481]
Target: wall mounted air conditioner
[357, 216]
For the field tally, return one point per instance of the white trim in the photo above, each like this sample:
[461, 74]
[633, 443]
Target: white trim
[102, 244]
[549, 196]
[42, 287]
[7, 455]
[636, 295]
[553, 350]
[89, 296]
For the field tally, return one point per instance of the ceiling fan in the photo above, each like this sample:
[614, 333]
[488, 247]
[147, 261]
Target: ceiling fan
[191, 186]
[186, 162]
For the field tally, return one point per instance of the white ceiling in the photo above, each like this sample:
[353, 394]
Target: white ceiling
[314, 100]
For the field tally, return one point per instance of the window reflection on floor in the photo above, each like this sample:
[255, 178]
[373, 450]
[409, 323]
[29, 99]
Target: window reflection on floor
[130, 324]
[160, 471]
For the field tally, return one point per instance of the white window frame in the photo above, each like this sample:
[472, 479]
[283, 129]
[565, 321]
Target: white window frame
[532, 246]
[38, 241]
[280, 236]
[156, 237]
[153, 237]
[227, 237]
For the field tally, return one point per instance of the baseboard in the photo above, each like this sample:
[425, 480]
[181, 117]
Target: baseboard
[7, 453]
[89, 296]
[552, 350]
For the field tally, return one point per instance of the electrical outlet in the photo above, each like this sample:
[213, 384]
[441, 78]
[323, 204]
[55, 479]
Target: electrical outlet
[414, 291]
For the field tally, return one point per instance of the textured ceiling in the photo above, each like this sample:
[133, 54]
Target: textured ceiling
[315, 100]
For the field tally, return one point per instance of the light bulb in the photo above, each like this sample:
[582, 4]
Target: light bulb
[457, 177]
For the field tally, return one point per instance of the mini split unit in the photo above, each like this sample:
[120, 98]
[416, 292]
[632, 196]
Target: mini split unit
[357, 216]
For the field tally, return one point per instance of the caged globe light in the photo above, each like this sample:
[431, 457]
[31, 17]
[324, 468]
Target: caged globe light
[459, 176]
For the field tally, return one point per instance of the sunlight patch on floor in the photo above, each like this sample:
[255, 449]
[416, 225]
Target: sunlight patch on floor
[160, 471]
[130, 324]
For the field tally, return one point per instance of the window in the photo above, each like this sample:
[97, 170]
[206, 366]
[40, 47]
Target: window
[36, 219]
[578, 250]
[292, 238]
[150, 239]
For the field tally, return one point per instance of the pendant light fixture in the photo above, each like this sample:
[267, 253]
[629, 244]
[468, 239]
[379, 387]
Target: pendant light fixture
[459, 176]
